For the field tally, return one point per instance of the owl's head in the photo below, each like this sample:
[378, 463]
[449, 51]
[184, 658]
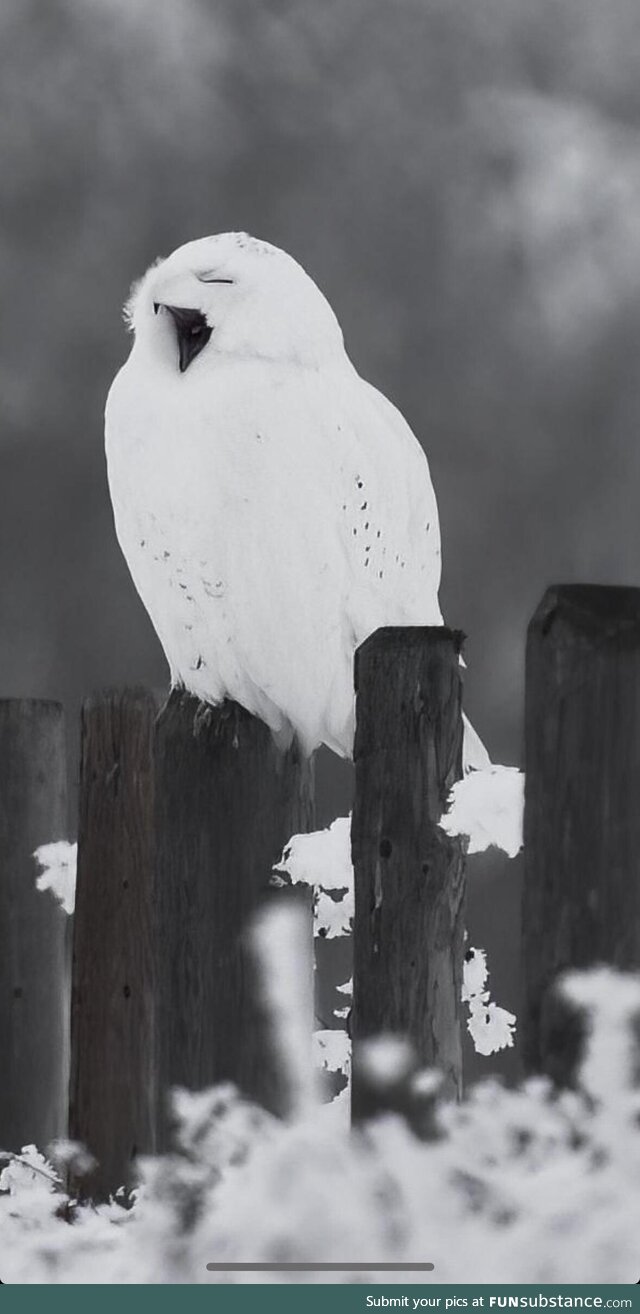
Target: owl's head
[233, 295]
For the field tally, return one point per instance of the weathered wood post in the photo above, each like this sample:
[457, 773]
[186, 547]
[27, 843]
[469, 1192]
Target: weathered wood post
[34, 988]
[227, 801]
[409, 876]
[582, 811]
[113, 1088]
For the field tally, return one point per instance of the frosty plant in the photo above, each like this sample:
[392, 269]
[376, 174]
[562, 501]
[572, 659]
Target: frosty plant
[486, 808]
[526, 1185]
[57, 863]
[491, 1028]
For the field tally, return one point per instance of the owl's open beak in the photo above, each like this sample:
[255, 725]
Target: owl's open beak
[192, 332]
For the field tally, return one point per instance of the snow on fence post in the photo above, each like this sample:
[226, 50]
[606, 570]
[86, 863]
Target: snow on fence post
[581, 901]
[227, 801]
[409, 876]
[112, 1089]
[34, 989]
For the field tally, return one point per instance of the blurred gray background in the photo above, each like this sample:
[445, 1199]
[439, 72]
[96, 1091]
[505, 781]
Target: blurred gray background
[461, 179]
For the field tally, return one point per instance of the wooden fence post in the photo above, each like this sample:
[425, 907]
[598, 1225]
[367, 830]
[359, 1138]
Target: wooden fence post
[409, 876]
[112, 1090]
[227, 801]
[582, 811]
[34, 987]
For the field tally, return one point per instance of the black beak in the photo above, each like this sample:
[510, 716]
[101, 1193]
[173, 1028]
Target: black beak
[192, 332]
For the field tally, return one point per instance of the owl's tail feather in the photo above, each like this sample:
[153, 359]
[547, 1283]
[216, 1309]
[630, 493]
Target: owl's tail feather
[474, 754]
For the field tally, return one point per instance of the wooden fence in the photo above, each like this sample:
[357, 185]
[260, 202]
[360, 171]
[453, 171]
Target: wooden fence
[184, 810]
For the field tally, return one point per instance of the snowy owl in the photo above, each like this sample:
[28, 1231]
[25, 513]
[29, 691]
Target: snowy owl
[273, 508]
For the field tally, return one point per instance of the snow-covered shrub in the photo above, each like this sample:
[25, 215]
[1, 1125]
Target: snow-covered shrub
[322, 860]
[57, 871]
[526, 1185]
[491, 1028]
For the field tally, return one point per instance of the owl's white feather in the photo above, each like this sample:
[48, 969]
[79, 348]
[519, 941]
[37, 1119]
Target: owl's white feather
[274, 509]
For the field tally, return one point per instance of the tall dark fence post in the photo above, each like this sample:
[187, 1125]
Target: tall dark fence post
[33, 978]
[582, 810]
[227, 801]
[112, 1092]
[409, 876]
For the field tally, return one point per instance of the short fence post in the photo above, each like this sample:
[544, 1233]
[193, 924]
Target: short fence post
[112, 1090]
[582, 810]
[227, 801]
[34, 988]
[409, 876]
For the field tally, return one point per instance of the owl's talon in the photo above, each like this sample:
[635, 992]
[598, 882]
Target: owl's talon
[202, 718]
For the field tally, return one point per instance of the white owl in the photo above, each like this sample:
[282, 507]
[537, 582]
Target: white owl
[274, 509]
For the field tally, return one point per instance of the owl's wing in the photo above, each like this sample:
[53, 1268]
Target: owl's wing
[391, 530]
[388, 515]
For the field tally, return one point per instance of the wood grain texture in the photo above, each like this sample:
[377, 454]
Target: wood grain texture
[409, 876]
[227, 801]
[581, 901]
[113, 1088]
[34, 991]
